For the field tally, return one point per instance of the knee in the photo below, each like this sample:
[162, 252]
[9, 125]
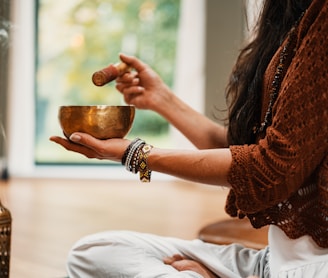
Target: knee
[82, 260]
[100, 254]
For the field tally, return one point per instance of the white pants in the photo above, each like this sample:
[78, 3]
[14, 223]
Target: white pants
[131, 254]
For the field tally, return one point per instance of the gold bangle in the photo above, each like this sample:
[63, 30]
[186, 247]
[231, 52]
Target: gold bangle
[144, 171]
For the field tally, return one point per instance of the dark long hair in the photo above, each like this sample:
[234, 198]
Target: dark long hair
[245, 84]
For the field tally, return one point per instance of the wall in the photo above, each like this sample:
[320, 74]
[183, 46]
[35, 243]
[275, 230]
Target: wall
[224, 35]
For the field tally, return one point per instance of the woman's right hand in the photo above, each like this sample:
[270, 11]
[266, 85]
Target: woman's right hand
[143, 87]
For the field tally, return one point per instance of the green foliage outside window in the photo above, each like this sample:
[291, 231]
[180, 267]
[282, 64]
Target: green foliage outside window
[77, 37]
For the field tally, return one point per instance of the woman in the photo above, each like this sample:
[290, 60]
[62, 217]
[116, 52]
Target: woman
[273, 157]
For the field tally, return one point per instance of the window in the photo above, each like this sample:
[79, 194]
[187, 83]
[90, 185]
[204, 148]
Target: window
[26, 128]
[76, 38]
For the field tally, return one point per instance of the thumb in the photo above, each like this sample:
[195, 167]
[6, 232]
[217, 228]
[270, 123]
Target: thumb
[75, 137]
[133, 62]
[84, 139]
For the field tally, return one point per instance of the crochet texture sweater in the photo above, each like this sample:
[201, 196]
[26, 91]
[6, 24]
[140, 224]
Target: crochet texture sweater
[283, 179]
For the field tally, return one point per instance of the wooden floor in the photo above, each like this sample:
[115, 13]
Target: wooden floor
[49, 215]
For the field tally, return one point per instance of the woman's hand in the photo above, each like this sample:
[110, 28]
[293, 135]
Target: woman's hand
[111, 149]
[181, 263]
[143, 88]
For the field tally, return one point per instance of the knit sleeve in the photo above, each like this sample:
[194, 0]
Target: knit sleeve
[269, 172]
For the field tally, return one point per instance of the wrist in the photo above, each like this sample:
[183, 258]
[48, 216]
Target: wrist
[162, 101]
[135, 159]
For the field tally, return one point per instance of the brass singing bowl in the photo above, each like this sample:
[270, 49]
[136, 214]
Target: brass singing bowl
[100, 121]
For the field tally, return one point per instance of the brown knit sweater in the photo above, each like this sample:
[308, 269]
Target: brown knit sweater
[283, 179]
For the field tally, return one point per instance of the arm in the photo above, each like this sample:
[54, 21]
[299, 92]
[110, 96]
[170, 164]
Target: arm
[145, 89]
[204, 166]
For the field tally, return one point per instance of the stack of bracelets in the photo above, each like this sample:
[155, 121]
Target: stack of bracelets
[135, 159]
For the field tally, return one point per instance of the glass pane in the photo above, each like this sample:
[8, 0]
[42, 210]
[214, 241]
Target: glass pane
[76, 38]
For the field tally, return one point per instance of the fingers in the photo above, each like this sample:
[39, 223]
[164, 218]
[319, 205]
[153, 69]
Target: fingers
[94, 145]
[174, 258]
[127, 89]
[81, 143]
[133, 62]
[70, 146]
[129, 84]
[91, 147]
[85, 140]
[181, 263]
[128, 78]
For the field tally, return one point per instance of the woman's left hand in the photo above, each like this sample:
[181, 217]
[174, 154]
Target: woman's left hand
[111, 149]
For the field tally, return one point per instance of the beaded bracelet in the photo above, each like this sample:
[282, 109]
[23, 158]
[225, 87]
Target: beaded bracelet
[144, 171]
[135, 159]
[125, 155]
[133, 154]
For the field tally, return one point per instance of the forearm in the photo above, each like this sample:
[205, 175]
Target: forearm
[203, 166]
[201, 131]
[209, 166]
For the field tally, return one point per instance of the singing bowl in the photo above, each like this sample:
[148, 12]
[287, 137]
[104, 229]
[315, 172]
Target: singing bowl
[100, 121]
